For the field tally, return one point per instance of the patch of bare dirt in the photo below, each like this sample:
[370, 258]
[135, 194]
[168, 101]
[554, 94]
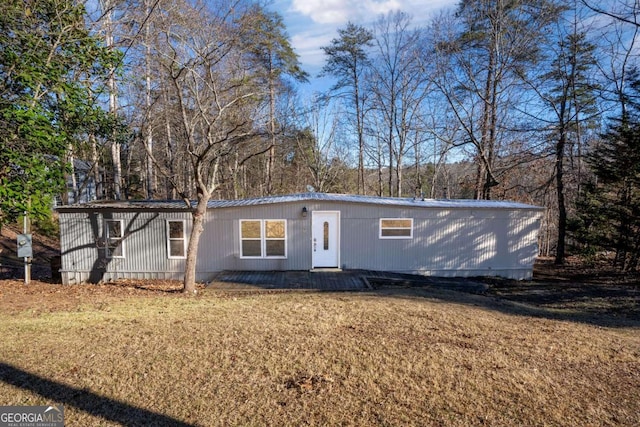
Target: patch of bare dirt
[41, 296]
[576, 285]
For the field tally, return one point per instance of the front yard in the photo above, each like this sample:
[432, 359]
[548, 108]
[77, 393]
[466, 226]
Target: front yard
[136, 354]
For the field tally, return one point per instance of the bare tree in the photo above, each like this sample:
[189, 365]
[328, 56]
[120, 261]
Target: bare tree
[482, 52]
[347, 59]
[625, 11]
[215, 95]
[108, 8]
[399, 86]
[317, 129]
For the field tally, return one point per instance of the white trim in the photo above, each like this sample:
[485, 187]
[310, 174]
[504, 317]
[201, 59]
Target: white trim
[106, 238]
[169, 238]
[263, 238]
[338, 237]
[380, 236]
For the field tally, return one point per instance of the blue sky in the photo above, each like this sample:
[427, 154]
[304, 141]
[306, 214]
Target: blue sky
[312, 24]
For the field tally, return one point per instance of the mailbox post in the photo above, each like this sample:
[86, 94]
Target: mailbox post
[25, 248]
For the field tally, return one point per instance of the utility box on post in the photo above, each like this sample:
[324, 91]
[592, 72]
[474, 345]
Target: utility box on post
[25, 247]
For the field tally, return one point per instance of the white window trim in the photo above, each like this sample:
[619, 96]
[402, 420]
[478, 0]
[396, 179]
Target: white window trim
[380, 236]
[106, 238]
[263, 239]
[184, 239]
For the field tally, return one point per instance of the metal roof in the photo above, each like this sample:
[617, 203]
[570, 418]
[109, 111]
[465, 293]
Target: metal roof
[174, 205]
[373, 200]
[304, 197]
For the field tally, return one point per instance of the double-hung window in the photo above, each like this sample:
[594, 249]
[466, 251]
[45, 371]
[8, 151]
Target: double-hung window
[176, 239]
[396, 228]
[263, 238]
[113, 238]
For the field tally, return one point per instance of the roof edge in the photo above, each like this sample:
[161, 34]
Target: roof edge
[179, 205]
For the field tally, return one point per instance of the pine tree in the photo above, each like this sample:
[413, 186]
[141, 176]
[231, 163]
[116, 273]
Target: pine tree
[347, 59]
[46, 55]
[610, 210]
[572, 100]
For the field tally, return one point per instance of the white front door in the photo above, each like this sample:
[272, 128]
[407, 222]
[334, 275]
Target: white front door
[325, 239]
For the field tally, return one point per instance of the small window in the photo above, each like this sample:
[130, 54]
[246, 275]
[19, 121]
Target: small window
[113, 236]
[396, 228]
[263, 238]
[325, 235]
[176, 239]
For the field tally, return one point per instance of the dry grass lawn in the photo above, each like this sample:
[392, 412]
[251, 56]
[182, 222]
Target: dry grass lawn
[403, 357]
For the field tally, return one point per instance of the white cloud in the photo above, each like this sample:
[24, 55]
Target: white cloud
[359, 11]
[308, 46]
[324, 11]
[313, 23]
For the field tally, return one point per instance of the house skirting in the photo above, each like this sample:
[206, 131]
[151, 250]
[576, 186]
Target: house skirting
[77, 277]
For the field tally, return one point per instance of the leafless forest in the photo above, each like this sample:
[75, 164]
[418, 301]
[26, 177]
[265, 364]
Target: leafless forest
[527, 100]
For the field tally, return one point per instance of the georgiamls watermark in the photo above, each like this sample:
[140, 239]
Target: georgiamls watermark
[32, 416]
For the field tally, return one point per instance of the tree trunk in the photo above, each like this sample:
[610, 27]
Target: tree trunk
[272, 131]
[399, 176]
[72, 178]
[486, 136]
[198, 215]
[95, 161]
[113, 103]
[562, 210]
[360, 126]
[151, 184]
[390, 178]
[418, 189]
[170, 189]
[379, 153]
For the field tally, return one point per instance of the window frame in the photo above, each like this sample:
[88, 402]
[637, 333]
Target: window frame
[107, 238]
[170, 239]
[263, 238]
[410, 228]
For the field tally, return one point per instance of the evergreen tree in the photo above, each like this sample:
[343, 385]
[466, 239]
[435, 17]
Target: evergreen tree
[347, 59]
[46, 55]
[610, 211]
[267, 44]
[572, 101]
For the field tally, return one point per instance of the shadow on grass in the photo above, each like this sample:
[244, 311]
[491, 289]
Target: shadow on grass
[587, 309]
[614, 304]
[96, 405]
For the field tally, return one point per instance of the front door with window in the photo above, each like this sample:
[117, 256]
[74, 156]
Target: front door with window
[325, 239]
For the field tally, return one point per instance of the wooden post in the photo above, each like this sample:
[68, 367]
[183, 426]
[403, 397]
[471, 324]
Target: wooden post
[27, 260]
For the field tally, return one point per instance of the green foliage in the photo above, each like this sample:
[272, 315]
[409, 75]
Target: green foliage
[267, 43]
[46, 57]
[609, 215]
[48, 226]
[347, 55]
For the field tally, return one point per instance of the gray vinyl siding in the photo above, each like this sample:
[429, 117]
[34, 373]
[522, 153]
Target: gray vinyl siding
[447, 241]
[458, 241]
[461, 241]
[220, 242]
[145, 246]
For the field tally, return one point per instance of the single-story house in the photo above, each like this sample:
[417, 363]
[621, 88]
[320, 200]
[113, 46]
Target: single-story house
[109, 240]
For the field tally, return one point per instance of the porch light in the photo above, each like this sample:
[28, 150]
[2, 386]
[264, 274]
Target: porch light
[304, 212]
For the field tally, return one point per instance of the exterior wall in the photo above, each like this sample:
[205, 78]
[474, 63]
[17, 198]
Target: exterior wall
[446, 242]
[220, 241]
[145, 247]
[452, 242]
